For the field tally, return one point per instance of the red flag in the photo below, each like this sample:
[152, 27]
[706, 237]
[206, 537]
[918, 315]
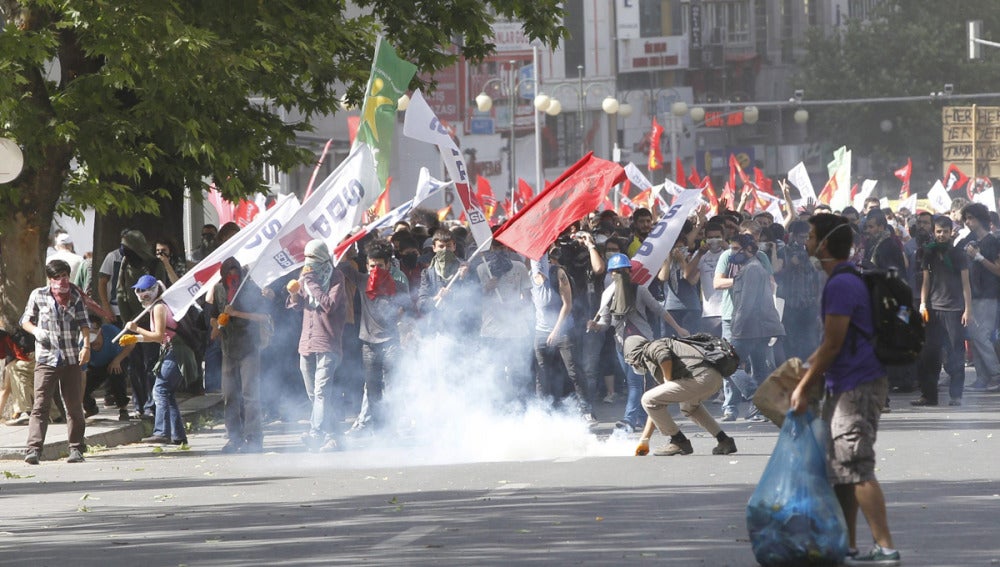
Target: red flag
[954, 179]
[729, 195]
[245, 212]
[443, 213]
[380, 207]
[506, 207]
[734, 168]
[353, 123]
[643, 198]
[624, 203]
[679, 173]
[524, 194]
[694, 179]
[709, 193]
[655, 154]
[762, 182]
[484, 192]
[577, 192]
[903, 174]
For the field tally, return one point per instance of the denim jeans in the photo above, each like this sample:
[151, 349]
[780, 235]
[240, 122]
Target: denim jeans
[317, 374]
[548, 381]
[241, 394]
[141, 363]
[944, 332]
[980, 333]
[213, 366]
[379, 360]
[168, 422]
[635, 414]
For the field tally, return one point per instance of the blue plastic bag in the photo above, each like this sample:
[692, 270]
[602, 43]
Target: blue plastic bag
[793, 516]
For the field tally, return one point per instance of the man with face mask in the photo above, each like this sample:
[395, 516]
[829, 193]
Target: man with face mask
[798, 285]
[137, 261]
[451, 310]
[208, 243]
[320, 295]
[709, 252]
[856, 388]
[384, 300]
[57, 318]
[946, 306]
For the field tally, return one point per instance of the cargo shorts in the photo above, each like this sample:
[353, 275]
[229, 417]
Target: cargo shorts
[853, 417]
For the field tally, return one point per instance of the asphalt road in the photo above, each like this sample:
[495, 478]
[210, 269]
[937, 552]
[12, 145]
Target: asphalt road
[546, 493]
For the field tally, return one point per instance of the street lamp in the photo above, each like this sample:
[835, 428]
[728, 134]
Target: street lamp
[609, 105]
[541, 102]
[678, 109]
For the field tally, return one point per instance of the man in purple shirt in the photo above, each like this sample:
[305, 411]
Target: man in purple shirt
[856, 386]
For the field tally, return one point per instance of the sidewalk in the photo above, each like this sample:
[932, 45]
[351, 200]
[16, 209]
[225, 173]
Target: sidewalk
[102, 429]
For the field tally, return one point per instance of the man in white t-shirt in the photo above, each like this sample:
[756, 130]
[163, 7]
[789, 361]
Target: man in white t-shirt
[63, 245]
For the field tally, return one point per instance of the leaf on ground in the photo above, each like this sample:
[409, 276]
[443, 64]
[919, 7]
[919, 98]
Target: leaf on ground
[157, 450]
[83, 509]
[393, 501]
[10, 475]
[89, 497]
[183, 447]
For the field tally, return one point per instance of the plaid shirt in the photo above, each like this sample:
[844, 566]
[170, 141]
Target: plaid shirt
[61, 325]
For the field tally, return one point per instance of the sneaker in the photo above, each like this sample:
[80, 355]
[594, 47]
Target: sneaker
[330, 446]
[231, 447]
[591, 419]
[75, 456]
[22, 419]
[123, 415]
[955, 402]
[179, 441]
[252, 447]
[729, 416]
[877, 556]
[610, 398]
[624, 426]
[993, 386]
[682, 448]
[757, 418]
[922, 401]
[32, 456]
[90, 409]
[727, 447]
[156, 440]
[977, 386]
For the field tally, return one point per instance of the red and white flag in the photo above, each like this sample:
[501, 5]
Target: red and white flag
[657, 246]
[245, 246]
[578, 191]
[655, 153]
[954, 179]
[903, 174]
[329, 214]
[422, 124]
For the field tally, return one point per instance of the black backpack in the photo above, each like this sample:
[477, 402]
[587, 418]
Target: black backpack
[899, 329]
[717, 352]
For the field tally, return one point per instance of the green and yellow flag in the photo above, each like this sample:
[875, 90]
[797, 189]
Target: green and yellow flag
[389, 80]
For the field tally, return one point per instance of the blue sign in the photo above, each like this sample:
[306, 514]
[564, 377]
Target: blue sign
[526, 82]
[481, 125]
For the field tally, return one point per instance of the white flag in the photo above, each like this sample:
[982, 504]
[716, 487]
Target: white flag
[245, 245]
[842, 196]
[867, 186]
[799, 177]
[422, 124]
[939, 198]
[910, 204]
[657, 246]
[636, 177]
[328, 214]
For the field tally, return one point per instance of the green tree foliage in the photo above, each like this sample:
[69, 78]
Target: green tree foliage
[121, 105]
[911, 47]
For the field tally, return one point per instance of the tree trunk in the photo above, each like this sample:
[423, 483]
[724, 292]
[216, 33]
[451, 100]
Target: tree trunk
[22, 263]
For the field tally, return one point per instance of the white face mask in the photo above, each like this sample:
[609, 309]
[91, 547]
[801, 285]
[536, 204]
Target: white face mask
[147, 296]
[818, 262]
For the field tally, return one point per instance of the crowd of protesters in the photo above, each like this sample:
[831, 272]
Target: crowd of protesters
[334, 336]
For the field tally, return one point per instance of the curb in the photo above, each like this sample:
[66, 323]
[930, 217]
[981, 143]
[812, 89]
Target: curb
[124, 434]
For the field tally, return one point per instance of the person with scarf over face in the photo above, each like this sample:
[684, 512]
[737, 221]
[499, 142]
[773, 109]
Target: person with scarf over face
[946, 306]
[239, 312]
[137, 261]
[450, 310]
[319, 294]
[174, 366]
[57, 318]
[626, 306]
[384, 300]
[505, 332]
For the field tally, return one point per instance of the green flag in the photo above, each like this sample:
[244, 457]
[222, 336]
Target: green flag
[389, 80]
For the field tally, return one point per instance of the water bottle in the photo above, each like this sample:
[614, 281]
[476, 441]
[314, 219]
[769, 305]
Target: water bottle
[904, 314]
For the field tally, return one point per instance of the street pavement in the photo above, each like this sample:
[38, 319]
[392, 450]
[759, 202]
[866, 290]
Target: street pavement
[576, 500]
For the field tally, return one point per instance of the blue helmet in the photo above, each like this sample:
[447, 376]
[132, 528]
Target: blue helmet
[619, 261]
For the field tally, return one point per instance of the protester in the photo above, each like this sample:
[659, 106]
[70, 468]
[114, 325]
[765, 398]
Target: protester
[856, 384]
[239, 312]
[683, 377]
[55, 315]
[983, 250]
[108, 359]
[174, 365]
[319, 294]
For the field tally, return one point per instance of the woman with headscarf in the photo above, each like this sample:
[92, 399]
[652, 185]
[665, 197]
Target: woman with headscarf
[320, 294]
[239, 313]
[175, 365]
[626, 306]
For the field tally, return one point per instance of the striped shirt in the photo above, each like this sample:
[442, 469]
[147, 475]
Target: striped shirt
[61, 325]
